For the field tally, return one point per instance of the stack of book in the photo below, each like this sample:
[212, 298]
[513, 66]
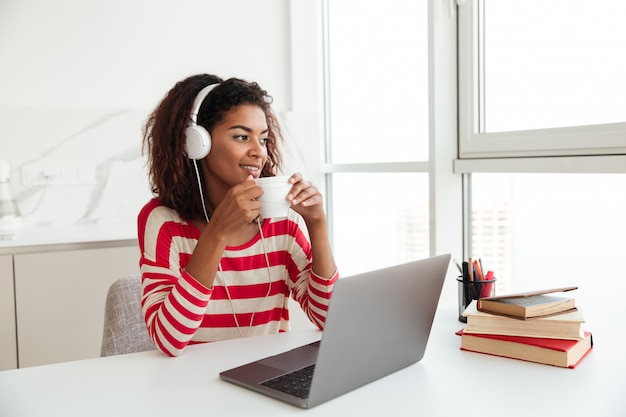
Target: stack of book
[532, 326]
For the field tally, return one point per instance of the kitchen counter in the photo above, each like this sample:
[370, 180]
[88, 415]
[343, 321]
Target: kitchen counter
[51, 237]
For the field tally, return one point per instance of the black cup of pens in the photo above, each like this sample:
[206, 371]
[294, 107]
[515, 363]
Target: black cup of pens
[473, 290]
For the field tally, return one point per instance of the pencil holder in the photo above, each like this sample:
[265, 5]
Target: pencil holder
[473, 290]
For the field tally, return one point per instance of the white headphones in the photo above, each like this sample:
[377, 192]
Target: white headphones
[197, 139]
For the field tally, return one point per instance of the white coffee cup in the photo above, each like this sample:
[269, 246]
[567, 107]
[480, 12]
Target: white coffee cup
[274, 199]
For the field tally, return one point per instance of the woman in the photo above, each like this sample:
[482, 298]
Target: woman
[211, 268]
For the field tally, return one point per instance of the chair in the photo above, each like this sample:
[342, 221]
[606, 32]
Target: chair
[124, 327]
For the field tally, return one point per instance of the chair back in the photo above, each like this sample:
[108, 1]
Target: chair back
[124, 326]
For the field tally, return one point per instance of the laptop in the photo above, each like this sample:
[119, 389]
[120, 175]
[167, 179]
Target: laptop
[378, 322]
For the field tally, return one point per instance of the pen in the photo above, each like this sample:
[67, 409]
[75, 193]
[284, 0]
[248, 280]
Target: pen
[489, 285]
[482, 270]
[477, 279]
[469, 292]
[479, 271]
[465, 272]
[466, 285]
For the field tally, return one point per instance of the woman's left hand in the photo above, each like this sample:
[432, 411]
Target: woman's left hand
[306, 199]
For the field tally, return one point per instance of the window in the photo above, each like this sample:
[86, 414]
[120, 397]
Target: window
[542, 107]
[378, 84]
[377, 125]
[552, 64]
[542, 78]
[376, 222]
[549, 230]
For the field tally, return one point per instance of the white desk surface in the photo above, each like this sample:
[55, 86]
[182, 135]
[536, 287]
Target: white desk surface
[447, 382]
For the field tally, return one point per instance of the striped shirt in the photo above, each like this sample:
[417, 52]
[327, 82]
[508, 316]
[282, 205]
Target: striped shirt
[249, 297]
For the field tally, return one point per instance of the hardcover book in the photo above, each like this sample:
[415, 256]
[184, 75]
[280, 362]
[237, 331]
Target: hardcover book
[562, 326]
[529, 304]
[556, 352]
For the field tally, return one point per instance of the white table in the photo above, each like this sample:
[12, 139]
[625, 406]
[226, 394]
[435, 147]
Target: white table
[448, 382]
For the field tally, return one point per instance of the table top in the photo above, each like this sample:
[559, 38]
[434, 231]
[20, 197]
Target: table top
[446, 382]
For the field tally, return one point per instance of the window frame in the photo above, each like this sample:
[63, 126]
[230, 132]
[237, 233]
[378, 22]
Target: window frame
[600, 139]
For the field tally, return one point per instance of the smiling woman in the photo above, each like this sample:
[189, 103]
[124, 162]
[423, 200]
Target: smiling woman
[83, 86]
[211, 268]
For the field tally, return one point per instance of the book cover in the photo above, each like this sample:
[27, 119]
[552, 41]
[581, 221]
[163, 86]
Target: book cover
[556, 352]
[562, 326]
[539, 305]
[528, 304]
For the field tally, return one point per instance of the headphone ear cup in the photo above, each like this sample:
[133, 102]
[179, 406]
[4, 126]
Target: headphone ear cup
[197, 142]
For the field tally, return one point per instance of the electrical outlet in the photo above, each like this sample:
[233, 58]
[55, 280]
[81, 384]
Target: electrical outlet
[58, 175]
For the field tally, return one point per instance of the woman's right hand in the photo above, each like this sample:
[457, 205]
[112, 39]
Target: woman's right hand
[238, 208]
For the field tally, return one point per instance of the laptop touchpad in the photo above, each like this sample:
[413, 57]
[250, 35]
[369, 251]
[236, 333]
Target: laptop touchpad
[293, 359]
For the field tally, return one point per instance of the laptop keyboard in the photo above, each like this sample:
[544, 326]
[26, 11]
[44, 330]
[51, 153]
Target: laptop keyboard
[296, 383]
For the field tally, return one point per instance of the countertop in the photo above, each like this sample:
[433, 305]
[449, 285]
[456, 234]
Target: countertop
[69, 236]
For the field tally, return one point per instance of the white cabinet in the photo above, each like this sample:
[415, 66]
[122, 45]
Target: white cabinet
[8, 342]
[59, 302]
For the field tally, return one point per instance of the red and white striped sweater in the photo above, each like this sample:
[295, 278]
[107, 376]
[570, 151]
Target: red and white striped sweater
[180, 311]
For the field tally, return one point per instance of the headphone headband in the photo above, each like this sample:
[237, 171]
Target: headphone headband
[197, 139]
[199, 100]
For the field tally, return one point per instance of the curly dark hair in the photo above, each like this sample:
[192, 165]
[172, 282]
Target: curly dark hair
[172, 173]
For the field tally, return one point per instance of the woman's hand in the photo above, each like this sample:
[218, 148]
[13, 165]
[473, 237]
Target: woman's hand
[238, 208]
[306, 200]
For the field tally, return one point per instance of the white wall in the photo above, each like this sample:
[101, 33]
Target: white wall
[127, 54]
[78, 78]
